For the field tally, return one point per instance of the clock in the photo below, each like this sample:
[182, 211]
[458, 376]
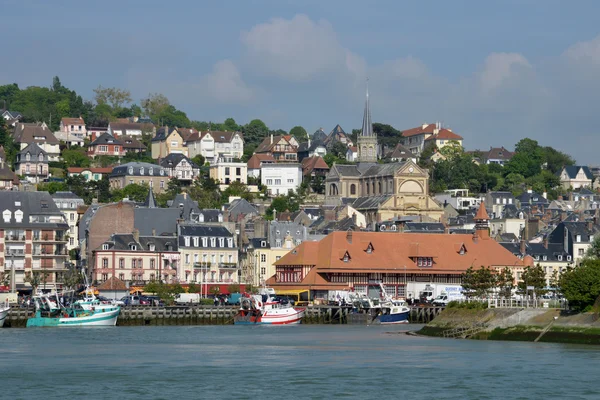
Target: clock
[411, 169]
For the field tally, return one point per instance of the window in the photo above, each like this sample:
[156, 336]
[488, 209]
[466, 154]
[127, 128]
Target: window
[105, 246]
[162, 184]
[196, 241]
[105, 263]
[116, 149]
[6, 216]
[230, 242]
[186, 241]
[568, 259]
[221, 242]
[174, 143]
[269, 181]
[544, 257]
[142, 171]
[187, 258]
[72, 216]
[131, 181]
[204, 241]
[263, 271]
[121, 263]
[152, 263]
[122, 277]
[104, 277]
[238, 171]
[71, 241]
[102, 149]
[133, 247]
[263, 258]
[226, 171]
[140, 263]
[213, 242]
[130, 170]
[150, 171]
[278, 181]
[424, 261]
[133, 263]
[278, 243]
[560, 258]
[353, 189]
[581, 252]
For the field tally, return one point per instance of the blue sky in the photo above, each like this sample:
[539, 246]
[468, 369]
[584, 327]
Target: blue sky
[494, 72]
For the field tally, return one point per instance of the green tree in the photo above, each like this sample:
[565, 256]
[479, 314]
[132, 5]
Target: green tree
[581, 285]
[533, 276]
[505, 282]
[199, 160]
[478, 282]
[172, 117]
[154, 105]
[230, 125]
[114, 97]
[299, 133]
[593, 252]
[387, 135]
[133, 191]
[236, 189]
[556, 160]
[339, 150]
[75, 158]
[254, 132]
[52, 187]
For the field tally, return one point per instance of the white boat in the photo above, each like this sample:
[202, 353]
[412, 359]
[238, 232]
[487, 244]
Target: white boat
[4, 310]
[50, 313]
[385, 310]
[91, 303]
[259, 310]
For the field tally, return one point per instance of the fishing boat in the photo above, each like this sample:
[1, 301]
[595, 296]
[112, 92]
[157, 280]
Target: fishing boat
[384, 310]
[51, 312]
[262, 310]
[4, 310]
[91, 302]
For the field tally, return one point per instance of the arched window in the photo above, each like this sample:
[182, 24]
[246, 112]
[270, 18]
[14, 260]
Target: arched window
[28, 157]
[353, 189]
[370, 152]
[364, 150]
[41, 157]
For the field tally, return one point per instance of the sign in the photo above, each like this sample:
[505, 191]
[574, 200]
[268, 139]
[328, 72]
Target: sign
[530, 287]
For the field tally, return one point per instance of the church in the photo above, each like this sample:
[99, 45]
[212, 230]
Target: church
[380, 191]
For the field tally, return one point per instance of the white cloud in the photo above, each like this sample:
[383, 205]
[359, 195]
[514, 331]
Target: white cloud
[225, 84]
[298, 49]
[584, 52]
[500, 67]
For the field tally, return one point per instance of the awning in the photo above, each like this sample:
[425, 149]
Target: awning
[290, 292]
[134, 289]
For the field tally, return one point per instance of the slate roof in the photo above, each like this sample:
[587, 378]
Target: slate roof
[498, 153]
[198, 230]
[156, 221]
[13, 114]
[218, 136]
[30, 203]
[129, 126]
[572, 171]
[133, 169]
[65, 195]
[173, 160]
[208, 215]
[319, 136]
[163, 133]
[400, 152]
[258, 243]
[27, 133]
[34, 150]
[532, 198]
[240, 207]
[424, 227]
[7, 174]
[370, 202]
[121, 241]
[129, 142]
[279, 230]
[346, 170]
[185, 204]
[382, 169]
[105, 138]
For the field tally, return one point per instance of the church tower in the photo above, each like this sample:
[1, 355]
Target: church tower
[367, 139]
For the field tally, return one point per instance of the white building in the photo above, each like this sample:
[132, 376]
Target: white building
[280, 178]
[226, 171]
[67, 203]
[215, 144]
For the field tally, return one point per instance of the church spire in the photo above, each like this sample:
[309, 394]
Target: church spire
[150, 200]
[367, 126]
[367, 140]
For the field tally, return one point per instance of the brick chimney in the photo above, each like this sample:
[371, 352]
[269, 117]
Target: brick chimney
[481, 223]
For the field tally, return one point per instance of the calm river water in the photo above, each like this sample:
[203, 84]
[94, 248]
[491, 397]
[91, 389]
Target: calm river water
[286, 362]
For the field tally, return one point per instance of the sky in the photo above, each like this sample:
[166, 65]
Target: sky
[492, 71]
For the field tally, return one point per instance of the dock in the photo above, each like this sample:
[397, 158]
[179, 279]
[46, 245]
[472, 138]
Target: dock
[223, 315]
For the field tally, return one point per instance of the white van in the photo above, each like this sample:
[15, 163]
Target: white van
[187, 298]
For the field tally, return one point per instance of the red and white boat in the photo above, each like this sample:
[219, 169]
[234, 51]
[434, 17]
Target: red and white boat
[256, 310]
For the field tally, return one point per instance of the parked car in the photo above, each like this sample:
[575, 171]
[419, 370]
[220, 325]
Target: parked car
[155, 301]
[118, 302]
[131, 300]
[145, 301]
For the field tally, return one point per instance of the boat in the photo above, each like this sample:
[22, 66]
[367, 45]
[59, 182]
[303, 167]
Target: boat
[384, 310]
[262, 310]
[4, 310]
[91, 302]
[51, 312]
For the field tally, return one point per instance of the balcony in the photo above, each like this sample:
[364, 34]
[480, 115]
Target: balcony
[15, 238]
[19, 267]
[55, 253]
[14, 253]
[50, 238]
[228, 265]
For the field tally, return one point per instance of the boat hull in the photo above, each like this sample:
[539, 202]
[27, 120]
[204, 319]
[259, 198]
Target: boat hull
[392, 319]
[108, 318]
[289, 317]
[3, 314]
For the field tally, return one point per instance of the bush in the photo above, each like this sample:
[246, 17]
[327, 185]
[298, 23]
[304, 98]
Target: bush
[471, 305]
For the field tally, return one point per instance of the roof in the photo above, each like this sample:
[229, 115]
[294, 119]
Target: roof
[240, 206]
[65, 195]
[573, 170]
[94, 170]
[6, 174]
[445, 134]
[129, 142]
[128, 126]
[72, 121]
[370, 202]
[34, 150]
[499, 153]
[260, 243]
[155, 221]
[187, 132]
[105, 138]
[419, 130]
[199, 230]
[31, 204]
[482, 213]
[30, 133]
[113, 283]
[138, 169]
[184, 203]
[309, 164]
[319, 136]
[218, 136]
[266, 145]
[13, 114]
[163, 133]
[444, 249]
[257, 159]
[346, 170]
[400, 152]
[173, 160]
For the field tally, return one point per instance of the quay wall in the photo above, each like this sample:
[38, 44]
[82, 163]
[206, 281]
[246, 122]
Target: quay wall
[516, 324]
[223, 315]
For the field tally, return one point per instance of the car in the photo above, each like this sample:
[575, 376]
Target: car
[131, 300]
[155, 301]
[118, 302]
[145, 301]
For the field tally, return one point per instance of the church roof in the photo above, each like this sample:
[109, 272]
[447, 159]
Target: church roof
[367, 126]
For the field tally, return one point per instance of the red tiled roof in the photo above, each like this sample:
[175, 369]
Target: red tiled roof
[482, 213]
[419, 130]
[73, 121]
[255, 161]
[99, 170]
[311, 163]
[445, 134]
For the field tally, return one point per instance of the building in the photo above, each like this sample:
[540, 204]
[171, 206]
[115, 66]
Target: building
[415, 139]
[315, 146]
[400, 153]
[32, 162]
[177, 165]
[96, 131]
[90, 173]
[314, 166]
[33, 238]
[382, 191]
[209, 254]
[281, 178]
[166, 141]
[358, 261]
[576, 177]
[106, 145]
[352, 154]
[278, 147]
[575, 238]
[137, 260]
[215, 144]
[497, 155]
[131, 144]
[67, 203]
[256, 161]
[11, 115]
[140, 173]
[73, 126]
[367, 138]
[40, 134]
[226, 171]
[117, 129]
[337, 134]
[8, 179]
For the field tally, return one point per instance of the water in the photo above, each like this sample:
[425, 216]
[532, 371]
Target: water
[285, 362]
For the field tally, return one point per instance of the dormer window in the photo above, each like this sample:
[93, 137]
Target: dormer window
[578, 238]
[130, 170]
[150, 171]
[6, 214]
[162, 172]
[151, 247]
[18, 216]
[220, 217]
[560, 257]
[204, 242]
[132, 247]
[263, 243]
[569, 258]
[41, 157]
[369, 248]
[230, 242]
[142, 171]
[346, 257]
[186, 241]
[28, 157]
[105, 246]
[201, 218]
[213, 242]
[545, 258]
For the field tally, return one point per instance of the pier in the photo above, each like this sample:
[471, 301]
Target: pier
[223, 315]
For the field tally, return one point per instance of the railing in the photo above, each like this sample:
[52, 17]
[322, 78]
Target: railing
[8, 267]
[15, 252]
[15, 238]
[527, 303]
[228, 265]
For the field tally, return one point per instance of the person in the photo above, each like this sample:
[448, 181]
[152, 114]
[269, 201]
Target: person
[216, 300]
[226, 301]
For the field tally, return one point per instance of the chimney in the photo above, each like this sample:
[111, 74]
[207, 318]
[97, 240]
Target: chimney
[523, 247]
[136, 235]
[546, 241]
[560, 198]
[271, 138]
[329, 215]
[274, 215]
[153, 232]
[349, 236]
[529, 190]
[354, 218]
[590, 225]
[545, 195]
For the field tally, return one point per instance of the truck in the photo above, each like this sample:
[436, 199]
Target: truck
[431, 291]
[443, 299]
[187, 298]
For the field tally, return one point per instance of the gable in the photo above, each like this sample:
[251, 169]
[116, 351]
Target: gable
[410, 168]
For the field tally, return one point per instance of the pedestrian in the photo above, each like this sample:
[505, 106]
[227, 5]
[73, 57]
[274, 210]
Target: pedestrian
[216, 300]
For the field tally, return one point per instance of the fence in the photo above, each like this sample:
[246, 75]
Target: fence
[527, 303]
